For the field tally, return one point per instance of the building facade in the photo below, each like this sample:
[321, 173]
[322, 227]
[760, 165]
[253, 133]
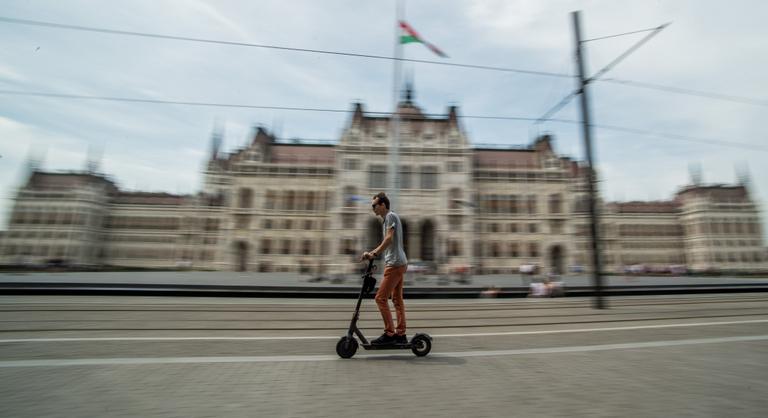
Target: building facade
[298, 207]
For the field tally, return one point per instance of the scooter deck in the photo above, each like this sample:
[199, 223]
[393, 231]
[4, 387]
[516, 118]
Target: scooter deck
[401, 346]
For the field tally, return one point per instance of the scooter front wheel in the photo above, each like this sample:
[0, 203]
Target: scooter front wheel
[346, 347]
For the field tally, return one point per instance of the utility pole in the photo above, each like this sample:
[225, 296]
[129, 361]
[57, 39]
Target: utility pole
[598, 302]
[394, 146]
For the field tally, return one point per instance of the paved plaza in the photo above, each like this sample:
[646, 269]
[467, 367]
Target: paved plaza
[80, 356]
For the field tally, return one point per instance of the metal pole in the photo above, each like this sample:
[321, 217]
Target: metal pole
[394, 146]
[591, 186]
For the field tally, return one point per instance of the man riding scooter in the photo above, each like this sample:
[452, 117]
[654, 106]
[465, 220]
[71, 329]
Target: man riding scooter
[395, 266]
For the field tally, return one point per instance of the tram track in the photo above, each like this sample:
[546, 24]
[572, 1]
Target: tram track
[170, 315]
[507, 304]
[375, 324]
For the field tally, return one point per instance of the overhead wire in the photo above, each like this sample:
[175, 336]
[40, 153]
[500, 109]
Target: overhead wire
[619, 34]
[567, 99]
[545, 117]
[639, 84]
[626, 53]
[690, 92]
[173, 102]
[687, 138]
[328, 110]
[267, 46]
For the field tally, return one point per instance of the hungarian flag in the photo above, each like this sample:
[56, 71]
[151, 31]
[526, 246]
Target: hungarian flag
[411, 36]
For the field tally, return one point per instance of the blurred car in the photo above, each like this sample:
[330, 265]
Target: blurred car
[678, 269]
[461, 269]
[421, 267]
[57, 263]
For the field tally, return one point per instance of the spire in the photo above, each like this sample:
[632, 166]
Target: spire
[93, 160]
[263, 136]
[33, 163]
[263, 141]
[543, 143]
[35, 158]
[742, 175]
[357, 115]
[453, 117]
[406, 108]
[216, 139]
[407, 98]
[408, 94]
[694, 170]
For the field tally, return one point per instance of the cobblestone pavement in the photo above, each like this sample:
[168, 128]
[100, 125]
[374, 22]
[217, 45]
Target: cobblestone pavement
[661, 356]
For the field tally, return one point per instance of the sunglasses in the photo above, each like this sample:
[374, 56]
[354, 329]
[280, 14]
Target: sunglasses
[374, 205]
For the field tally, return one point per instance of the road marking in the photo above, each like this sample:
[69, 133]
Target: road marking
[560, 331]
[317, 358]
[334, 337]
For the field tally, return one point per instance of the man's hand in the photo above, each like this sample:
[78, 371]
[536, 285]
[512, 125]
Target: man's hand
[366, 256]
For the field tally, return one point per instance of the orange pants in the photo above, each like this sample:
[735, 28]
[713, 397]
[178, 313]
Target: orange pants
[392, 285]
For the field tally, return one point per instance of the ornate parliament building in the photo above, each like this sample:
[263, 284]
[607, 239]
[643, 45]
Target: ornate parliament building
[299, 207]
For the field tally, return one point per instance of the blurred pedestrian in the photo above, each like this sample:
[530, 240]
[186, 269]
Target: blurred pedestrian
[490, 292]
[526, 271]
[539, 289]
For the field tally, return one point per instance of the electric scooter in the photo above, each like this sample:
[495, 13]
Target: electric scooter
[420, 344]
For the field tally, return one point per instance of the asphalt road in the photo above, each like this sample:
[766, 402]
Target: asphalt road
[293, 279]
[697, 355]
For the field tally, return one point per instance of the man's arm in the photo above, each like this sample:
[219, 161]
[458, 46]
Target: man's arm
[384, 244]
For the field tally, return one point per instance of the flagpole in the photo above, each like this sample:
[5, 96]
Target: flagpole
[394, 148]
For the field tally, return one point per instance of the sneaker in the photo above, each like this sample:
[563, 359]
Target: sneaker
[384, 340]
[401, 339]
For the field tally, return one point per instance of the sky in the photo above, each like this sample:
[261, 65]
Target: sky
[712, 47]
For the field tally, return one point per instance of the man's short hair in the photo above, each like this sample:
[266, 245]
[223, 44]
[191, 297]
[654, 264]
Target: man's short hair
[382, 198]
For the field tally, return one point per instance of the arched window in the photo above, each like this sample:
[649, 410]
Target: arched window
[350, 196]
[311, 201]
[495, 249]
[555, 201]
[454, 198]
[266, 246]
[269, 202]
[290, 197]
[245, 198]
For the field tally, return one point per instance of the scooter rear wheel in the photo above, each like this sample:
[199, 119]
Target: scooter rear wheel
[421, 345]
[346, 347]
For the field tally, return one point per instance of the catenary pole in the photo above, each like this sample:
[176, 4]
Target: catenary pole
[598, 302]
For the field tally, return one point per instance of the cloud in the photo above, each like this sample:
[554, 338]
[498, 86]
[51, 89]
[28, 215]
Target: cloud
[214, 14]
[9, 74]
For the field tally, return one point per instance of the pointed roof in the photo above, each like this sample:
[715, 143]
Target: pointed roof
[42, 180]
[406, 109]
[715, 192]
[262, 137]
[216, 139]
[654, 207]
[357, 115]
